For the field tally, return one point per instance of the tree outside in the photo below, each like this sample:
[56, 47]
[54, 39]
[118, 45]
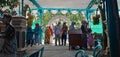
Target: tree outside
[8, 6]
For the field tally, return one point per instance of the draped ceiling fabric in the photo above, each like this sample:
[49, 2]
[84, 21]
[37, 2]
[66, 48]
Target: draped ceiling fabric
[74, 4]
[60, 3]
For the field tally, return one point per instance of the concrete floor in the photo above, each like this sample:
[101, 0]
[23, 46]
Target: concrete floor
[60, 51]
[50, 50]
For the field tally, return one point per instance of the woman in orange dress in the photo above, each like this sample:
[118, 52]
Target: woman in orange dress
[51, 33]
[47, 36]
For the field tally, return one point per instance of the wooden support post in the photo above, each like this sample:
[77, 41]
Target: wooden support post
[113, 27]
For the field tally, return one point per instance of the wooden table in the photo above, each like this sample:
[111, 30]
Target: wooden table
[75, 40]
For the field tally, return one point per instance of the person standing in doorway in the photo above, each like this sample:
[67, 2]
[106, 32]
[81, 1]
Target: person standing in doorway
[64, 33]
[57, 31]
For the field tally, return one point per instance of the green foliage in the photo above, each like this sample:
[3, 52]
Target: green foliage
[59, 13]
[73, 17]
[46, 17]
[76, 18]
[8, 3]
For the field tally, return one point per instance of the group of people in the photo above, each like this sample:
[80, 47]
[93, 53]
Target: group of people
[88, 39]
[60, 34]
[34, 36]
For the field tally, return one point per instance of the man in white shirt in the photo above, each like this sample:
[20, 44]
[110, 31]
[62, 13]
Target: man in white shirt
[57, 31]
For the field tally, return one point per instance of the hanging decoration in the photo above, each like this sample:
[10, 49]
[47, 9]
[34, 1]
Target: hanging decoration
[74, 12]
[64, 11]
[26, 7]
[30, 19]
[96, 19]
[45, 11]
[102, 11]
[58, 13]
[54, 11]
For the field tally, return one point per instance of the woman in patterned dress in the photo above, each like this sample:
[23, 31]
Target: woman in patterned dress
[47, 36]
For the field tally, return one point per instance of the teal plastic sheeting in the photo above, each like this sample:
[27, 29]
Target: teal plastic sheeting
[96, 28]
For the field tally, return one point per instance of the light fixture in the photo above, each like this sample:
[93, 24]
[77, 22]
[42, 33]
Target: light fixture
[64, 11]
[54, 11]
[45, 11]
[74, 12]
